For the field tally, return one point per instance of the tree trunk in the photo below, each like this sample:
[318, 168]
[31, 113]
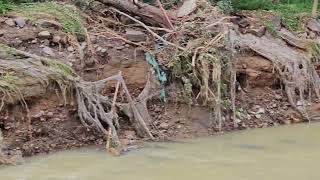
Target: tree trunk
[147, 12]
[315, 8]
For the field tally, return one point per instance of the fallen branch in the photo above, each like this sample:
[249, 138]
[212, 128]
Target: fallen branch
[149, 30]
[147, 12]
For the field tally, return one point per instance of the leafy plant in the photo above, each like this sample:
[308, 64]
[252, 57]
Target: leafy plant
[225, 6]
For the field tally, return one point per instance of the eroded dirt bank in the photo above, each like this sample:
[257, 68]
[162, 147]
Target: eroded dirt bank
[50, 125]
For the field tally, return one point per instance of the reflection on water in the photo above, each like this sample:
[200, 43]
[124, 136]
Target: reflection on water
[284, 153]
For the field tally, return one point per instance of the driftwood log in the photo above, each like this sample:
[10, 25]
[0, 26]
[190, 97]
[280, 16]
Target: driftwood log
[147, 12]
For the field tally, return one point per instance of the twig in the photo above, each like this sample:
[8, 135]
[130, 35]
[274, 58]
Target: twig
[121, 38]
[165, 14]
[113, 110]
[212, 42]
[218, 22]
[148, 29]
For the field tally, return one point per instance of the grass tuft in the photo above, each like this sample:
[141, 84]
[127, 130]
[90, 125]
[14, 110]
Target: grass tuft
[291, 11]
[68, 16]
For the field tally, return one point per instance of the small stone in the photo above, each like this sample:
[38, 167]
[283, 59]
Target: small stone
[261, 111]
[34, 41]
[10, 22]
[20, 22]
[103, 51]
[2, 32]
[119, 47]
[56, 39]
[164, 125]
[50, 114]
[135, 36]
[238, 121]
[278, 97]
[258, 116]
[299, 103]
[274, 105]
[83, 45]
[70, 49]
[41, 113]
[44, 34]
[99, 49]
[48, 51]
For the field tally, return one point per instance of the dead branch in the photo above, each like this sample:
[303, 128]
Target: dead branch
[149, 30]
[147, 12]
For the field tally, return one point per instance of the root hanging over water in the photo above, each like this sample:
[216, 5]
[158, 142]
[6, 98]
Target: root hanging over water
[296, 69]
[25, 75]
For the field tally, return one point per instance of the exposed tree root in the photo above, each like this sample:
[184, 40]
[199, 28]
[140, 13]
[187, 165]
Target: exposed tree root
[26, 75]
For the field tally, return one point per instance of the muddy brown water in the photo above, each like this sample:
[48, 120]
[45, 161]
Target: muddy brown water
[282, 153]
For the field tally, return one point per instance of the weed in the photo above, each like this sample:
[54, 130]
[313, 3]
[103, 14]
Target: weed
[5, 6]
[68, 16]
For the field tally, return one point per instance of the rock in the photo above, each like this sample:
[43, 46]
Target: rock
[56, 39]
[99, 49]
[70, 49]
[10, 22]
[164, 125]
[299, 103]
[83, 45]
[44, 34]
[238, 121]
[20, 22]
[34, 41]
[258, 116]
[103, 51]
[313, 25]
[48, 51]
[135, 36]
[119, 47]
[261, 111]
[278, 97]
[276, 22]
[2, 32]
[41, 113]
[44, 23]
[50, 114]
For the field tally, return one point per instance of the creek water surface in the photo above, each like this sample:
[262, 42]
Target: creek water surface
[282, 153]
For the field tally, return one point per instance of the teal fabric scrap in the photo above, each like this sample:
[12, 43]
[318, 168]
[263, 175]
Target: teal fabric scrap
[161, 75]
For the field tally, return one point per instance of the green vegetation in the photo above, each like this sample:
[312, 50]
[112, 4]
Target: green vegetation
[68, 16]
[5, 5]
[292, 11]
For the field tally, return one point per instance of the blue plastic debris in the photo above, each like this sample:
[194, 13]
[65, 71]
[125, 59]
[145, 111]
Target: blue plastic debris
[161, 75]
